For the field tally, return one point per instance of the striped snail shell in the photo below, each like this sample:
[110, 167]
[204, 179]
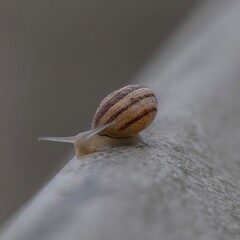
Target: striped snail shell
[131, 108]
[118, 120]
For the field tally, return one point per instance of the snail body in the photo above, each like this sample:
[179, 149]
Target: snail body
[118, 120]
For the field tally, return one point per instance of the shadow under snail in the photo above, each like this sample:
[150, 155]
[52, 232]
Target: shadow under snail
[118, 120]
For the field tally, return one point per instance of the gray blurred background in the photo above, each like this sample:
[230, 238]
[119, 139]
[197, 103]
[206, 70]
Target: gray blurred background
[58, 59]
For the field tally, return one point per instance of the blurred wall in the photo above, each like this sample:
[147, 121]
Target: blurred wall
[58, 59]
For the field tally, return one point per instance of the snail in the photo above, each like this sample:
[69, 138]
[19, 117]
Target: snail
[118, 120]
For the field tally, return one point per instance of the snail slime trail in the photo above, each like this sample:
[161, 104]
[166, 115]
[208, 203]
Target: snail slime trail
[118, 120]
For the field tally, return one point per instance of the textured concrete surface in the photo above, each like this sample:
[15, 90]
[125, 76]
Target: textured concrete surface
[184, 182]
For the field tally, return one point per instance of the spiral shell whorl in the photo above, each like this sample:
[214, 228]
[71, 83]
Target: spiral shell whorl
[132, 108]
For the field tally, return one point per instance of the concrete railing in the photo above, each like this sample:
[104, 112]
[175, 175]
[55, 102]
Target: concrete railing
[184, 183]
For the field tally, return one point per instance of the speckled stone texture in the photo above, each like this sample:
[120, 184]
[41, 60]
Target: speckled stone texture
[184, 182]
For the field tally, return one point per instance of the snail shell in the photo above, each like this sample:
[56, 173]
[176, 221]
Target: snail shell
[131, 109]
[118, 120]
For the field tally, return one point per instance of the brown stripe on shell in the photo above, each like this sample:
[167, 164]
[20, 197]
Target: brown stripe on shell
[142, 115]
[134, 101]
[112, 101]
